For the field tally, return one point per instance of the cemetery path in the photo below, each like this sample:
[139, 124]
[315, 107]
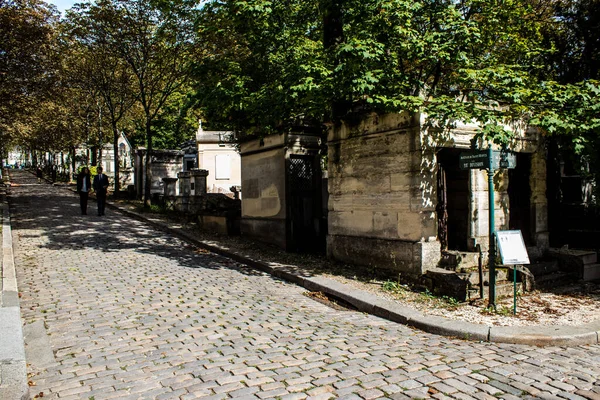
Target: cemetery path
[114, 308]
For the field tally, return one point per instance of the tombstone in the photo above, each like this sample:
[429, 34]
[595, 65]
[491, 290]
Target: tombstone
[198, 181]
[164, 163]
[184, 183]
[169, 187]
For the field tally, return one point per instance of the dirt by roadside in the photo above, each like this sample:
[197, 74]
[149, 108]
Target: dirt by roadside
[572, 304]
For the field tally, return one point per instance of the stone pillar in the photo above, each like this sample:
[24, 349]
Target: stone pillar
[539, 204]
[184, 183]
[169, 187]
[184, 190]
[198, 181]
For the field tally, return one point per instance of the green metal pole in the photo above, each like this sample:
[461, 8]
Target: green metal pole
[514, 289]
[492, 256]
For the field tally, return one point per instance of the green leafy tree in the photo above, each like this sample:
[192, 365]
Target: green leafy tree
[28, 63]
[155, 40]
[268, 63]
[262, 65]
[573, 90]
[178, 122]
[95, 67]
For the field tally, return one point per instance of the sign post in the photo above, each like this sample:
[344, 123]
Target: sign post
[513, 252]
[492, 230]
[491, 160]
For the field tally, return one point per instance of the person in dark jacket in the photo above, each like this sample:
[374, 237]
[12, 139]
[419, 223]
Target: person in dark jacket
[39, 174]
[84, 185]
[100, 187]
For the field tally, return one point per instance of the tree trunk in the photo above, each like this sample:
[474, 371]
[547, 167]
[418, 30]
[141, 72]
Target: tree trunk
[73, 165]
[148, 164]
[94, 159]
[116, 151]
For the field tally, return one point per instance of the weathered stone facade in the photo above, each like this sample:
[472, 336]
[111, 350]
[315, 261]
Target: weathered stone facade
[218, 155]
[164, 164]
[263, 186]
[268, 201]
[383, 193]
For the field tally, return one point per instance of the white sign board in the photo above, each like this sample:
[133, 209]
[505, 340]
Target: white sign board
[512, 247]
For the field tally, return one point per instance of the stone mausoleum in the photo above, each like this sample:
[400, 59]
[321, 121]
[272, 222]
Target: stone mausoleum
[398, 199]
[283, 201]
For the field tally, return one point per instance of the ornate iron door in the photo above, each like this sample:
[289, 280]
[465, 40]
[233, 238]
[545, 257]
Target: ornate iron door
[304, 204]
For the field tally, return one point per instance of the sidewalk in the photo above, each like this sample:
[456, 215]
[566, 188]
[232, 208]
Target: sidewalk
[13, 368]
[376, 305]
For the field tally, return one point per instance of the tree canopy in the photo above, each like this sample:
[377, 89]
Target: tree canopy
[28, 66]
[153, 68]
[269, 63]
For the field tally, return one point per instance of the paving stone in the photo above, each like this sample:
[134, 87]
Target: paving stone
[443, 388]
[588, 394]
[128, 306]
[294, 396]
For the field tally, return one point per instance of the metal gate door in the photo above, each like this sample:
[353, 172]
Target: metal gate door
[304, 204]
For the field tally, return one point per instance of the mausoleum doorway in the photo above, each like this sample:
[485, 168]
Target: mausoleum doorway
[453, 201]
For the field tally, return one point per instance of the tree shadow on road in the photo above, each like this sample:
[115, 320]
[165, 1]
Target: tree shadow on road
[57, 213]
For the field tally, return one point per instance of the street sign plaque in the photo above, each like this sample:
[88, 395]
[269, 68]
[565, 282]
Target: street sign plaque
[480, 160]
[474, 160]
[507, 159]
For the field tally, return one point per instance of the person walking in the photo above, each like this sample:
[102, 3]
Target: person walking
[100, 187]
[39, 174]
[84, 185]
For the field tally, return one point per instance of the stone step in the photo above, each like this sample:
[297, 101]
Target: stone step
[591, 272]
[506, 289]
[544, 267]
[502, 274]
[583, 257]
[503, 289]
[459, 260]
[555, 278]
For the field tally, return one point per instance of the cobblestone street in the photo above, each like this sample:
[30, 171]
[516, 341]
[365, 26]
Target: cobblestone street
[130, 312]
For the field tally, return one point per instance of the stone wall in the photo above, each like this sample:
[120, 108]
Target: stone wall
[381, 195]
[479, 206]
[263, 189]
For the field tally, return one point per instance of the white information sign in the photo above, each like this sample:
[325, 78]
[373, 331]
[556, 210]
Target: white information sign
[512, 247]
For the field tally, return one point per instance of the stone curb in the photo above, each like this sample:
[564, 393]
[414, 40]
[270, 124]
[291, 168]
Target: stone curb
[372, 304]
[13, 366]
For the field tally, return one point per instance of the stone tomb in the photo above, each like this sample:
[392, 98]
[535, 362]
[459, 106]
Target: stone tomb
[164, 164]
[282, 201]
[385, 194]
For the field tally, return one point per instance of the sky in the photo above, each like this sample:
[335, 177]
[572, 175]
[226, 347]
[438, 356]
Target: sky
[63, 5]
